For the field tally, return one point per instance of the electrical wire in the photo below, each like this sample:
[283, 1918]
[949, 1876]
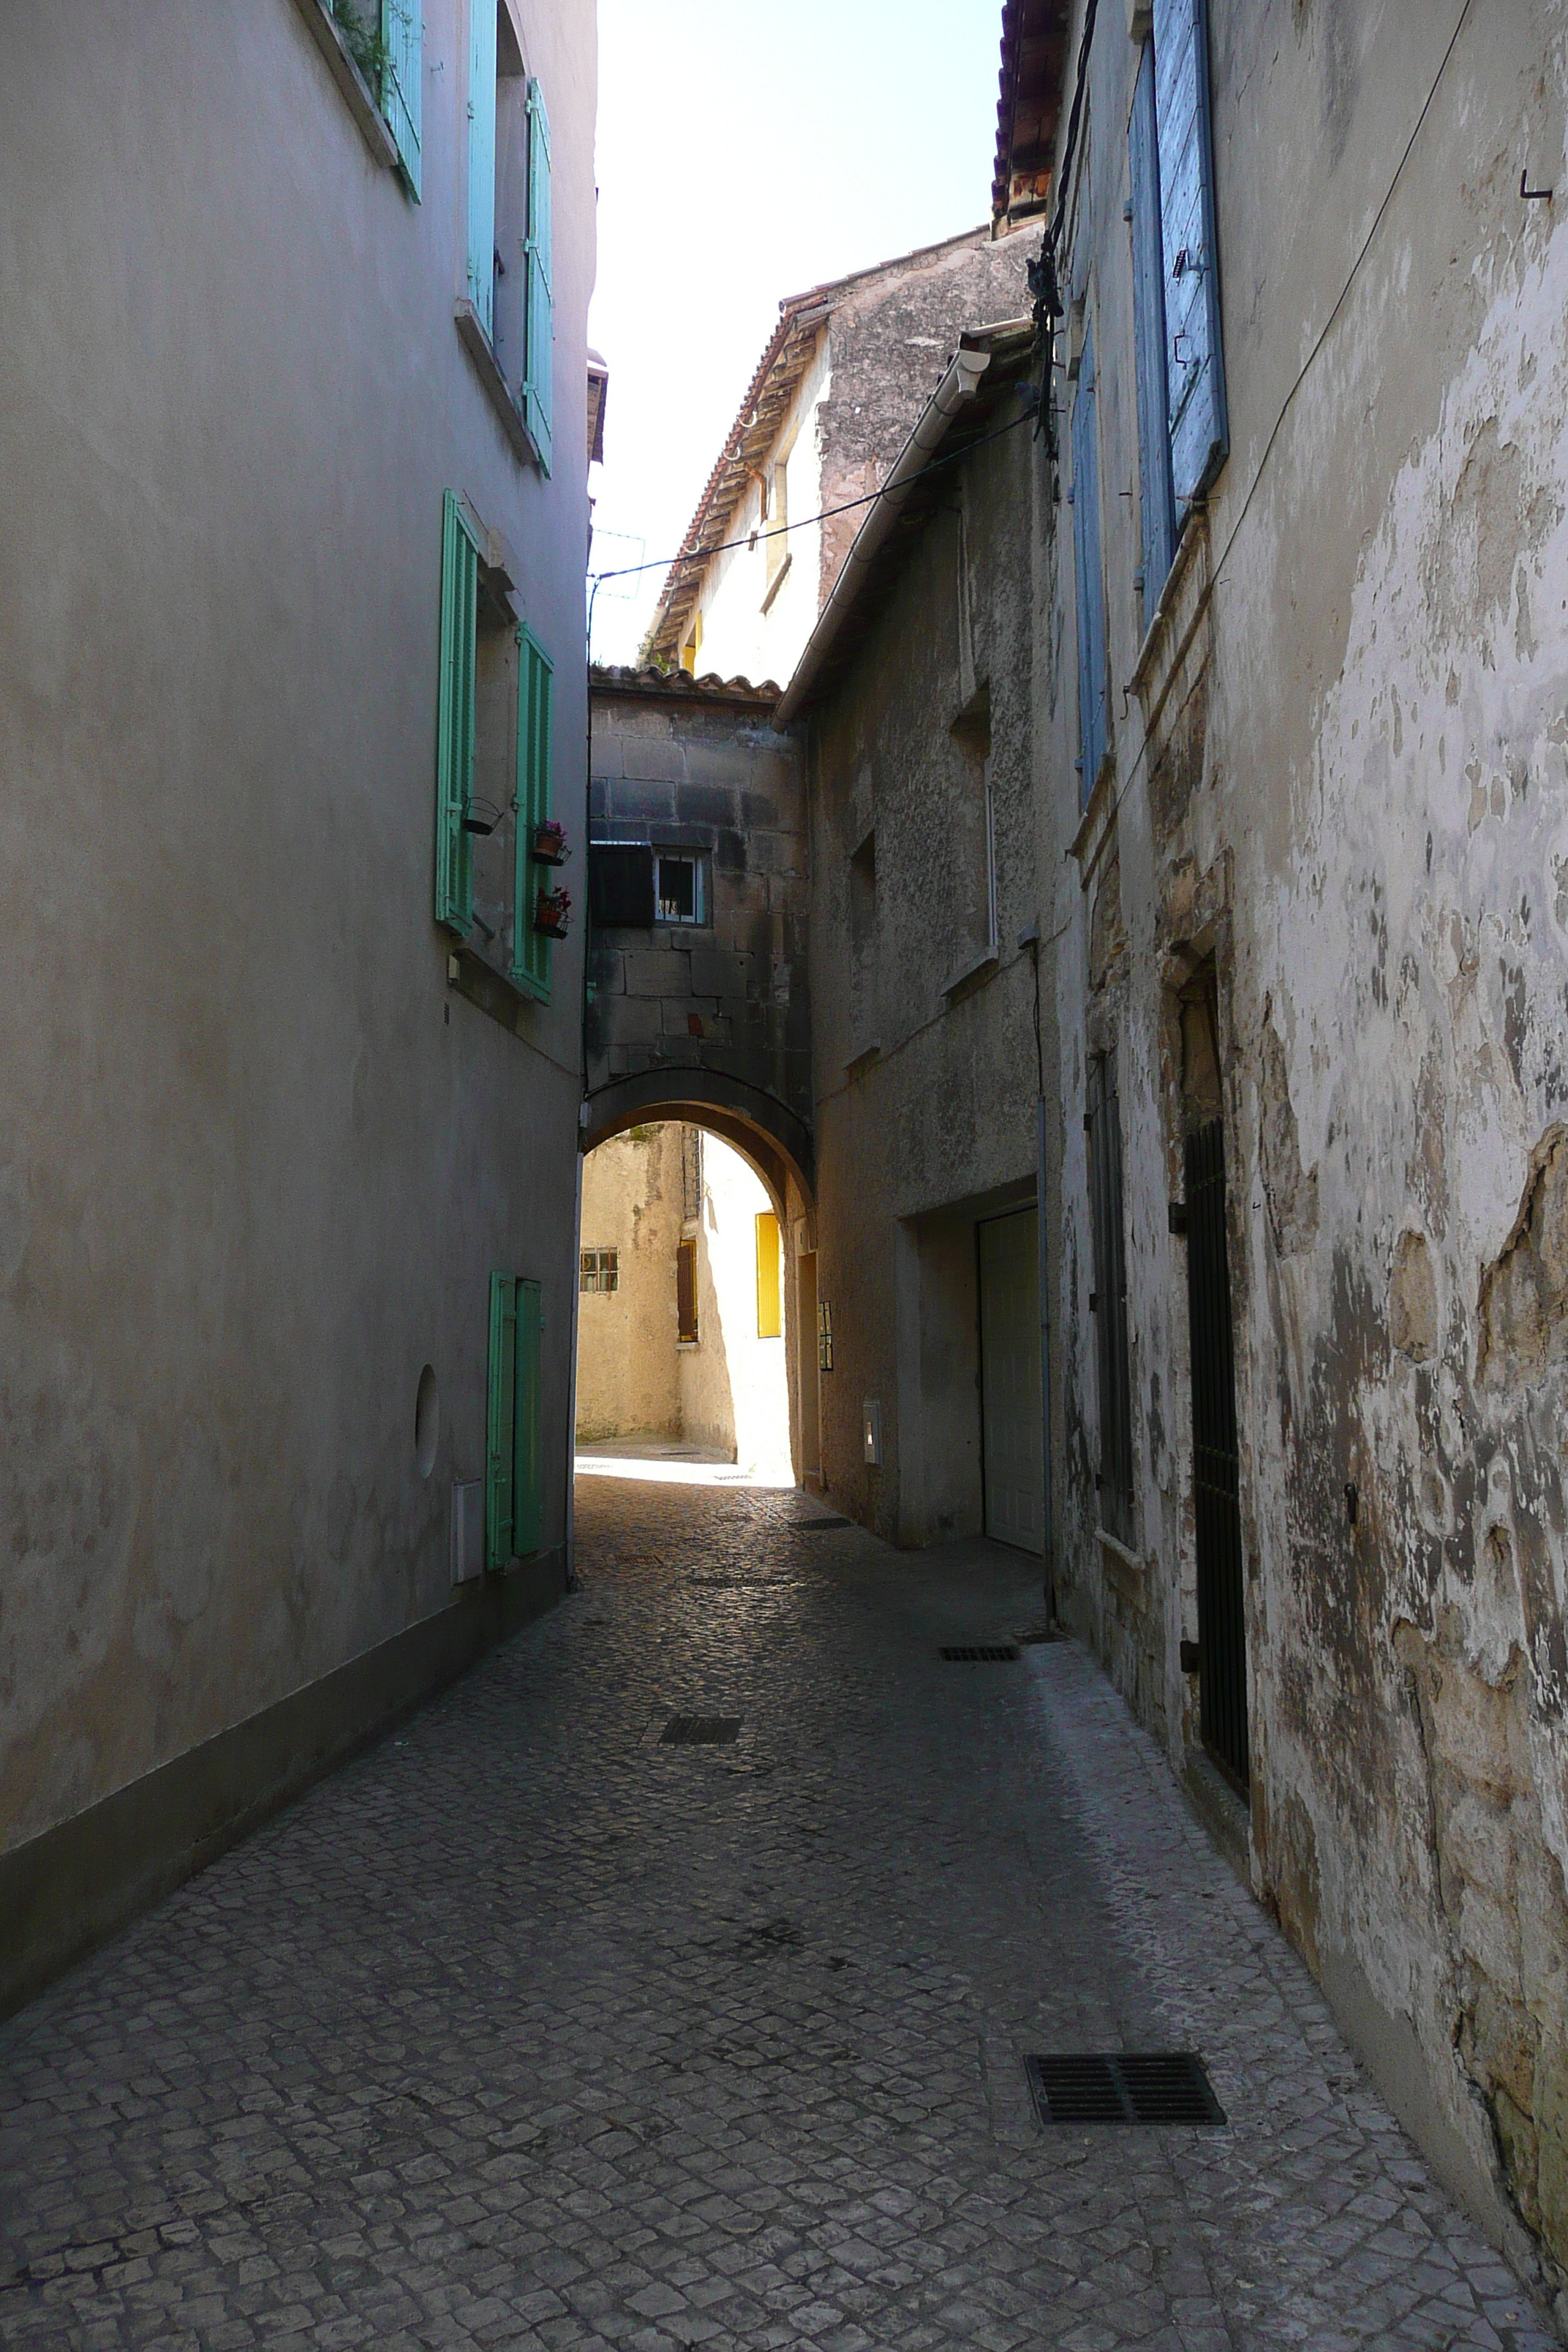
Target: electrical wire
[702, 555]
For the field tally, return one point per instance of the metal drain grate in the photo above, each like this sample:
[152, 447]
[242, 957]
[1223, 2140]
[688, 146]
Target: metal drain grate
[805, 1527]
[699, 1730]
[981, 1653]
[1123, 2087]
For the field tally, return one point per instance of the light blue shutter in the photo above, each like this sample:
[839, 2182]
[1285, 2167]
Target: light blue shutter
[527, 1477]
[482, 161]
[403, 80]
[535, 695]
[500, 1423]
[539, 369]
[1091, 674]
[1200, 426]
[1156, 499]
[454, 719]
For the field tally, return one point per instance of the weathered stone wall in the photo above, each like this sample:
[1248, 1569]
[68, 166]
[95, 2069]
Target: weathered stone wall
[688, 767]
[890, 342]
[924, 1039]
[628, 1375]
[1338, 776]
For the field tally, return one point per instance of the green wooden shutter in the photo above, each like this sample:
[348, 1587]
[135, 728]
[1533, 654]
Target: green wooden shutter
[501, 1467]
[454, 719]
[1200, 426]
[403, 80]
[1092, 712]
[1155, 497]
[528, 1480]
[535, 694]
[482, 161]
[539, 366]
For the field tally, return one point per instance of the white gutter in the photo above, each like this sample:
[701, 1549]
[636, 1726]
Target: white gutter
[958, 386]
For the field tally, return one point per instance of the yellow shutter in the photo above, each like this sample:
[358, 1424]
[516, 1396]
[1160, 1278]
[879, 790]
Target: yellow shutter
[770, 1319]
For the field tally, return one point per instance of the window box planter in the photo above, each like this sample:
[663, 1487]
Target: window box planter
[549, 845]
[551, 911]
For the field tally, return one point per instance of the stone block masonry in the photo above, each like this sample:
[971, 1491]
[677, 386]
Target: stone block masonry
[690, 765]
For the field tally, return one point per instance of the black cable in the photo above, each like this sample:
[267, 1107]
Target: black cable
[701, 555]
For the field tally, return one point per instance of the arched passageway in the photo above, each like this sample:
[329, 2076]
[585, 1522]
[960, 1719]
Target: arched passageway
[691, 1322]
[772, 1137]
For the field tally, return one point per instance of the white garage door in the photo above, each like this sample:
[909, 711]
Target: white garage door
[1010, 1378]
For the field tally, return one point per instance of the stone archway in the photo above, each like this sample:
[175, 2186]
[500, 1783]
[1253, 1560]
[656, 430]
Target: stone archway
[777, 1143]
[777, 1147]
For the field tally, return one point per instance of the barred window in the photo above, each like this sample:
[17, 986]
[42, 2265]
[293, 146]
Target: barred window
[600, 1270]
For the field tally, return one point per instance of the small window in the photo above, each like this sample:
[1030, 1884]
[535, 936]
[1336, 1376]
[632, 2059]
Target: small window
[680, 886]
[493, 769]
[508, 263]
[686, 1292]
[770, 1314]
[776, 514]
[600, 1270]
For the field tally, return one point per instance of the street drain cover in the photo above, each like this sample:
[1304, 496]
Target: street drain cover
[983, 1654]
[699, 1730]
[1124, 2087]
[805, 1525]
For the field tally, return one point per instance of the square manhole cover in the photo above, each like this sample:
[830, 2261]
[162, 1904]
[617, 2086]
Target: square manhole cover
[1123, 2087]
[699, 1730]
[981, 1653]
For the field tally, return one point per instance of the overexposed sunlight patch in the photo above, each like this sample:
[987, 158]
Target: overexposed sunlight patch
[671, 1470]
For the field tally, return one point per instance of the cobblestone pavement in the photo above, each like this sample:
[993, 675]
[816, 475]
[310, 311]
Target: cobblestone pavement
[527, 2029]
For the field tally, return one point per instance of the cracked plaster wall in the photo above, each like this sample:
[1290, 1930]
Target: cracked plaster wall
[1352, 800]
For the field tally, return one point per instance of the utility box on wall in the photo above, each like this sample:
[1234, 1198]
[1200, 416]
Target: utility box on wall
[467, 1530]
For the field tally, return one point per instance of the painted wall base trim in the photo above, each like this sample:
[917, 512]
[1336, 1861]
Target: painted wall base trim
[66, 1891]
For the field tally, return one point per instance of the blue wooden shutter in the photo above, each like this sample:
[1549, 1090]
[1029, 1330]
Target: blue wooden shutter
[539, 366]
[500, 1420]
[527, 1477]
[1200, 426]
[454, 719]
[535, 694]
[403, 80]
[482, 160]
[1091, 674]
[1156, 498]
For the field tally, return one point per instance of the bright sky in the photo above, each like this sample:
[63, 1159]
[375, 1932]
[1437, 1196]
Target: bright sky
[748, 149]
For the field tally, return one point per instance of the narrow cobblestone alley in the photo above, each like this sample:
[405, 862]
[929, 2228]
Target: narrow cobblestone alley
[529, 2028]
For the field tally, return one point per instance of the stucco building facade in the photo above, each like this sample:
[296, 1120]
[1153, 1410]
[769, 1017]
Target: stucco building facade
[295, 533]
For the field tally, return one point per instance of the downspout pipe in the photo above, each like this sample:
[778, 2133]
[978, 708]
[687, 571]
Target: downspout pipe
[957, 387]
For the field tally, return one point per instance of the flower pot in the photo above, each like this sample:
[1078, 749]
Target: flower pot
[550, 916]
[549, 845]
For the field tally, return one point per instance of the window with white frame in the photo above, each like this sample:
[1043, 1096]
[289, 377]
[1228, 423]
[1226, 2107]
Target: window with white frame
[680, 885]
